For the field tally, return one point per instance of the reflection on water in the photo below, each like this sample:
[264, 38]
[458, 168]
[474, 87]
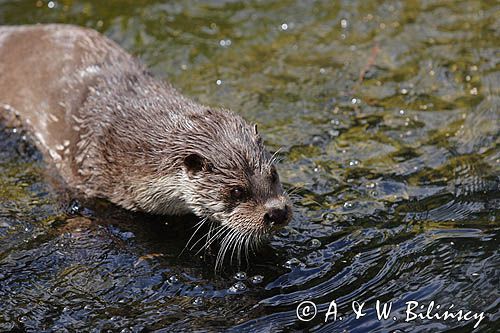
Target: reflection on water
[387, 115]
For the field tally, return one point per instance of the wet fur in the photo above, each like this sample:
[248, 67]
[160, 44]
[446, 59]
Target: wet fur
[114, 131]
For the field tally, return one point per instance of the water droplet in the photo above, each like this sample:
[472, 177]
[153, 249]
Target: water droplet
[355, 101]
[198, 301]
[257, 279]
[51, 4]
[333, 133]
[401, 112]
[218, 82]
[354, 163]
[240, 276]
[74, 207]
[284, 26]
[473, 91]
[173, 279]
[404, 91]
[343, 23]
[371, 185]
[348, 205]
[314, 243]
[335, 122]
[316, 140]
[225, 42]
[291, 263]
[328, 216]
[237, 287]
[322, 71]
[240, 286]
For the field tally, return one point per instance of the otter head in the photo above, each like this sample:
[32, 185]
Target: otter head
[229, 177]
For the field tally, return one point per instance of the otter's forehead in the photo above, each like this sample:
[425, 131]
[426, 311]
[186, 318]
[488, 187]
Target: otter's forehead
[230, 141]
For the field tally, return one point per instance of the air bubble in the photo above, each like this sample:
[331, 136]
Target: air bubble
[291, 263]
[314, 243]
[198, 301]
[348, 205]
[371, 185]
[240, 276]
[237, 287]
[225, 42]
[257, 279]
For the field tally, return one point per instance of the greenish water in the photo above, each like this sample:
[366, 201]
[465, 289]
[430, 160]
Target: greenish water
[387, 116]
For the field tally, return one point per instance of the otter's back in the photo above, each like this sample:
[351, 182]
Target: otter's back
[45, 74]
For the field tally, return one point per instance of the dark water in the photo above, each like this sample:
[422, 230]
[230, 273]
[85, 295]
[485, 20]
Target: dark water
[387, 115]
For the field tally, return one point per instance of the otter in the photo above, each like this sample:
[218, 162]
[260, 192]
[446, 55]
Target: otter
[114, 131]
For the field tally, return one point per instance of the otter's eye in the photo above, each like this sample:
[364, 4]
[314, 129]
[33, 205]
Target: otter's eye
[237, 193]
[274, 175]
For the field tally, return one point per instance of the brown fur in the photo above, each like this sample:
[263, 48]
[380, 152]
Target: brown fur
[114, 131]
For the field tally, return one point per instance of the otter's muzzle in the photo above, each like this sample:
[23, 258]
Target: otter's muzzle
[278, 213]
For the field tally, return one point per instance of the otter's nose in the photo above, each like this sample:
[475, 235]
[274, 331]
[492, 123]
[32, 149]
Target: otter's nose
[277, 216]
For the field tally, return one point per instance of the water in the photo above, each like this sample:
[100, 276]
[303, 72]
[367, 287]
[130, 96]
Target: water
[387, 117]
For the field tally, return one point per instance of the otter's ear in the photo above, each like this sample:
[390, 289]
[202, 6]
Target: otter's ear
[195, 163]
[255, 130]
[256, 134]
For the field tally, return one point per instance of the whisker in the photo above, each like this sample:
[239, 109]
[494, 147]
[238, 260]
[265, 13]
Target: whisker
[211, 239]
[197, 226]
[223, 248]
[272, 160]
